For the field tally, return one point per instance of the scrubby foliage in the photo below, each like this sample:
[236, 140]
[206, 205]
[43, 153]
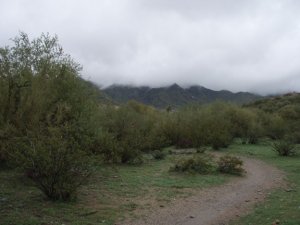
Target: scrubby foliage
[128, 131]
[213, 125]
[202, 164]
[45, 117]
[282, 116]
[54, 163]
[284, 147]
[159, 155]
[52, 121]
[201, 149]
[205, 163]
[230, 164]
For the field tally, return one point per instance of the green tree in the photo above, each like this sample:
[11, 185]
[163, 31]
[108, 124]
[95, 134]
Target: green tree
[46, 117]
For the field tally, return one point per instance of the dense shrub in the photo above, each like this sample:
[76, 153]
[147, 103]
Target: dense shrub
[281, 116]
[283, 147]
[5, 144]
[230, 164]
[122, 136]
[246, 124]
[159, 155]
[195, 126]
[131, 156]
[127, 131]
[173, 128]
[218, 126]
[46, 115]
[55, 163]
[221, 141]
[295, 136]
[277, 127]
[202, 164]
[152, 135]
[201, 149]
[106, 145]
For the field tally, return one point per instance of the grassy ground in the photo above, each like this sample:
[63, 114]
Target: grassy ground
[115, 192]
[283, 204]
[112, 193]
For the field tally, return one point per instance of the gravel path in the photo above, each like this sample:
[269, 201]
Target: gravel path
[219, 205]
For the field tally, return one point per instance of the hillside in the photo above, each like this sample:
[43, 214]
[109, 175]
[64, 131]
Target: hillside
[94, 91]
[288, 102]
[175, 95]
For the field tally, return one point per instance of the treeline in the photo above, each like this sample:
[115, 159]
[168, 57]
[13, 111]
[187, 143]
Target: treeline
[52, 123]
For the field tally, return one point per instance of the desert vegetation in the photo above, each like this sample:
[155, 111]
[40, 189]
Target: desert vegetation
[57, 130]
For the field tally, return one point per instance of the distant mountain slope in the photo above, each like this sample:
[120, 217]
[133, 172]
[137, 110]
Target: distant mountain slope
[94, 91]
[175, 95]
[278, 103]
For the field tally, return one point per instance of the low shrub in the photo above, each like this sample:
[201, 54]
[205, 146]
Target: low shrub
[6, 142]
[230, 164]
[56, 165]
[284, 148]
[253, 140]
[201, 149]
[158, 155]
[221, 142]
[202, 164]
[296, 137]
[106, 145]
[131, 156]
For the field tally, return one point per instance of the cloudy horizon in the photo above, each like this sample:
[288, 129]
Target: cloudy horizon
[234, 45]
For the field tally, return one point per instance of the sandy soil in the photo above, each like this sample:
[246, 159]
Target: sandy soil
[218, 205]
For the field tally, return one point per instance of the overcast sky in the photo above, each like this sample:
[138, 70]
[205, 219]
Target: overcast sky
[237, 45]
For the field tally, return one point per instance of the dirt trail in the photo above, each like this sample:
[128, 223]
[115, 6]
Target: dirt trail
[219, 205]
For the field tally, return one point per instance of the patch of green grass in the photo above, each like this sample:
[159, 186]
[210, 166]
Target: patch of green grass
[113, 192]
[282, 204]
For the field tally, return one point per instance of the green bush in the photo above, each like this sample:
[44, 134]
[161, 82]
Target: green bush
[284, 147]
[153, 137]
[124, 136]
[215, 125]
[222, 141]
[159, 155]
[45, 115]
[201, 149]
[128, 131]
[131, 156]
[230, 164]
[6, 132]
[295, 136]
[277, 127]
[104, 144]
[202, 164]
[245, 124]
[195, 126]
[55, 164]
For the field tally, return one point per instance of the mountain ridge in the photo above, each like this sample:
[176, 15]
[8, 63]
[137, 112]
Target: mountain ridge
[174, 95]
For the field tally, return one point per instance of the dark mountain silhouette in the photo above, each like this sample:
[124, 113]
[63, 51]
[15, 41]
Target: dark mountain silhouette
[175, 95]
